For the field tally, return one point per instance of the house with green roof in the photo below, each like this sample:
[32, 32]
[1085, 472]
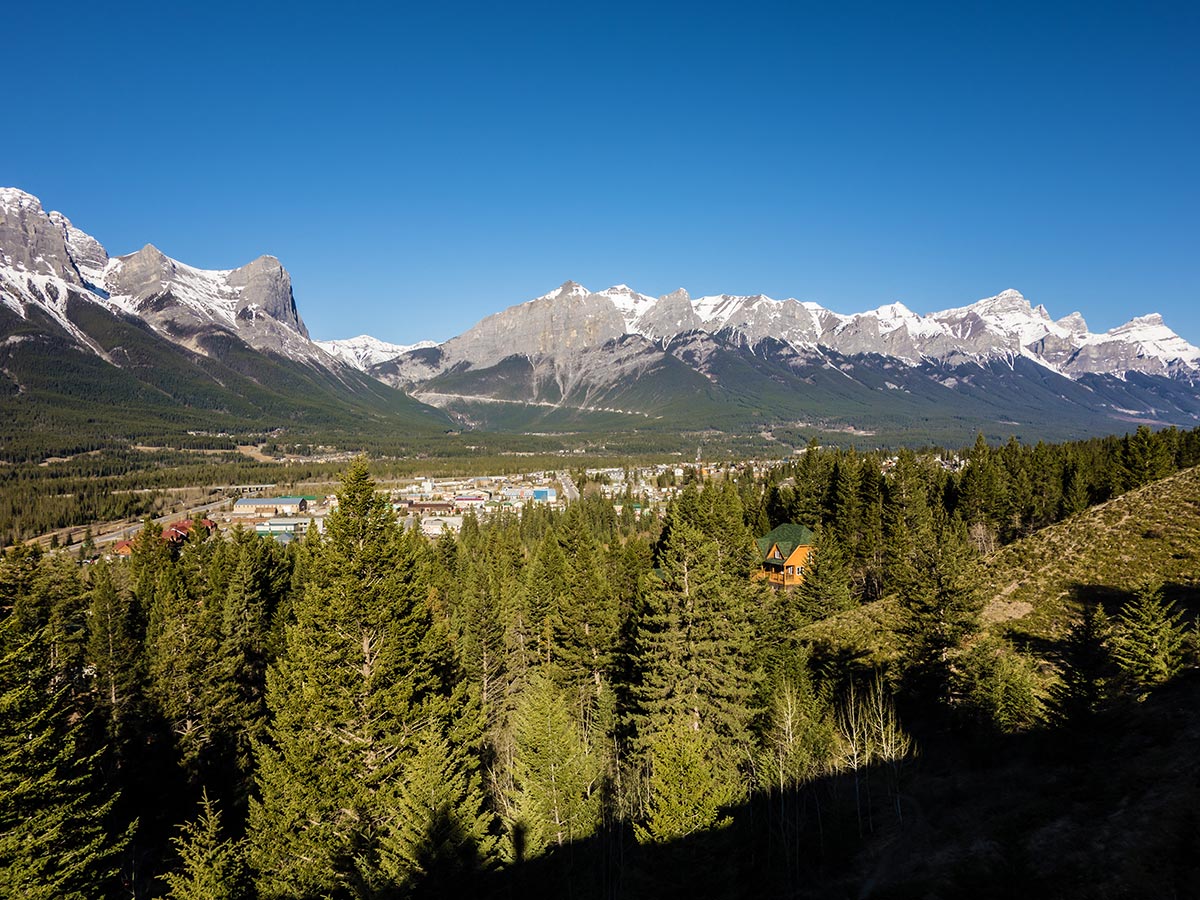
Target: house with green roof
[785, 551]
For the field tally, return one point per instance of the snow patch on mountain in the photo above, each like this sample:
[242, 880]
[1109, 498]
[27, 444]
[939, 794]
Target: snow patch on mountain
[1003, 327]
[45, 260]
[629, 303]
[364, 351]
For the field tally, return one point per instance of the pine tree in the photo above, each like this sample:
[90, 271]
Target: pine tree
[555, 798]
[1150, 636]
[115, 634]
[694, 641]
[57, 603]
[182, 639]
[685, 792]
[18, 566]
[213, 867]
[587, 611]
[1075, 496]
[998, 687]
[843, 508]
[1144, 458]
[1086, 665]
[237, 694]
[365, 670]
[941, 609]
[869, 549]
[908, 524]
[438, 835]
[980, 492]
[809, 492]
[479, 616]
[53, 840]
[825, 589]
[545, 584]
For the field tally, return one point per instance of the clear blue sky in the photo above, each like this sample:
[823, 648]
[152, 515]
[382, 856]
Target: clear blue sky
[416, 168]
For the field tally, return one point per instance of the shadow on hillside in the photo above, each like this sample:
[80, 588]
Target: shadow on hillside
[1185, 597]
[1109, 813]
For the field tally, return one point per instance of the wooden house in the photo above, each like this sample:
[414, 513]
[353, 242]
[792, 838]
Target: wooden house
[784, 552]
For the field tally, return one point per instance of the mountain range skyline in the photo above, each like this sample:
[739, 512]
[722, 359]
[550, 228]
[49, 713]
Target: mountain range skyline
[151, 255]
[370, 346]
[37, 239]
[601, 361]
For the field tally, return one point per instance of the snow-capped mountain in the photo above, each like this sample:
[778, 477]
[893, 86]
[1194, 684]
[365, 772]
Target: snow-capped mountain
[571, 358]
[573, 348]
[44, 260]
[364, 351]
[94, 348]
[571, 318]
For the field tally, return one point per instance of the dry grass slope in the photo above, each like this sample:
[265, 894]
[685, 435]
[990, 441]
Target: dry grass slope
[1032, 587]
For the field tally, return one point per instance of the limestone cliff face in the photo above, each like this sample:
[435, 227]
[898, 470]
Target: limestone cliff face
[265, 284]
[254, 301]
[562, 322]
[45, 261]
[34, 241]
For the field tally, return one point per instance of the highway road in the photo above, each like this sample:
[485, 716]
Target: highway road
[570, 491]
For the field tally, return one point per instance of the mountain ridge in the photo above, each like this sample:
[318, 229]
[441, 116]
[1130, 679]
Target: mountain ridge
[98, 350]
[583, 346]
[993, 326]
[577, 360]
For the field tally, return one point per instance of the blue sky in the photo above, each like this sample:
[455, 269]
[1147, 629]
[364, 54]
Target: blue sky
[416, 168]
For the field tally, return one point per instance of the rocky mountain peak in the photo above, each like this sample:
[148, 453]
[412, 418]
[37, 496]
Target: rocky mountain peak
[1006, 303]
[1153, 320]
[265, 285]
[87, 254]
[142, 273]
[1073, 323]
[32, 241]
[13, 199]
[565, 291]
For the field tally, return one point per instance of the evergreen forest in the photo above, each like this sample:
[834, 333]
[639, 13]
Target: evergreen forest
[597, 703]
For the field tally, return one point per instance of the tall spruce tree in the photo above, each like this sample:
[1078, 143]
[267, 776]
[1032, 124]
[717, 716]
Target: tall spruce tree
[556, 790]
[1150, 636]
[685, 792]
[825, 589]
[212, 866]
[438, 835]
[182, 638]
[694, 639]
[1086, 668]
[238, 692]
[941, 609]
[53, 839]
[364, 674]
[114, 653]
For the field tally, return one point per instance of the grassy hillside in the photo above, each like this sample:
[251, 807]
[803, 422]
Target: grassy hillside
[1033, 589]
